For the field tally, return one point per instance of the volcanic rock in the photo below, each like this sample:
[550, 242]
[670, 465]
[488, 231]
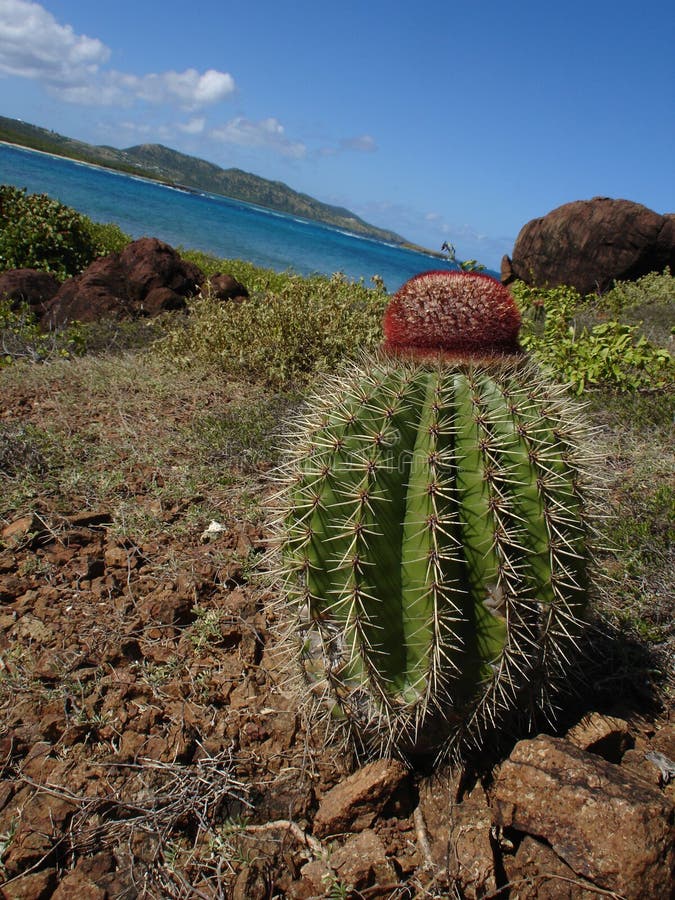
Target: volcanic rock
[224, 287]
[146, 278]
[362, 863]
[459, 833]
[31, 286]
[541, 875]
[355, 803]
[589, 244]
[150, 264]
[606, 824]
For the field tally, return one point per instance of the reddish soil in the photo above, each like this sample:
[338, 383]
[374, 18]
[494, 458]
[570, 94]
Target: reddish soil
[150, 745]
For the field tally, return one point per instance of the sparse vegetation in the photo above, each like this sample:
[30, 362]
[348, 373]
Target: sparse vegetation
[21, 337]
[284, 335]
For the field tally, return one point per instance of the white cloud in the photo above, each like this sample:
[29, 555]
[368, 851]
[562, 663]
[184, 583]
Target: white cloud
[268, 133]
[188, 89]
[194, 126]
[364, 143]
[34, 45]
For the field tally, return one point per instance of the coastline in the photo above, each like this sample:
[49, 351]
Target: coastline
[80, 152]
[102, 168]
[404, 245]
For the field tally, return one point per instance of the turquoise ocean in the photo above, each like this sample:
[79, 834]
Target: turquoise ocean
[225, 228]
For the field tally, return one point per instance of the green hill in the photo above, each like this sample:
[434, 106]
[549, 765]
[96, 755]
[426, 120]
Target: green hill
[171, 167]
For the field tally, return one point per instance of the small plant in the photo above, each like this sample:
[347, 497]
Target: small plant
[6, 839]
[21, 450]
[21, 338]
[434, 524]
[471, 265]
[207, 627]
[336, 889]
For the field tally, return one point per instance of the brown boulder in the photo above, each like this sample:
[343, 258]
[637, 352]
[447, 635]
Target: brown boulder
[507, 275]
[146, 278]
[224, 287]
[355, 803]
[98, 293]
[31, 286]
[149, 264]
[541, 875]
[607, 825]
[589, 244]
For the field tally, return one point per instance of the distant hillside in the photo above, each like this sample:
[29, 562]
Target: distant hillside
[171, 167]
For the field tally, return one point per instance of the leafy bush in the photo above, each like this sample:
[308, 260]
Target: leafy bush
[106, 237]
[562, 329]
[22, 338]
[38, 232]
[657, 287]
[307, 325]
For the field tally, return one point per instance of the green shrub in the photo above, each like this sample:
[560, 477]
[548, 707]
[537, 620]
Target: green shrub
[574, 338]
[38, 232]
[306, 326]
[106, 237]
[657, 287]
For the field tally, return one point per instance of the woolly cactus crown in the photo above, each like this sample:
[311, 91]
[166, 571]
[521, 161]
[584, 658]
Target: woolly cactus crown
[458, 313]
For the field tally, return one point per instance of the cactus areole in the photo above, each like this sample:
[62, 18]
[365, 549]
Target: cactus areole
[433, 525]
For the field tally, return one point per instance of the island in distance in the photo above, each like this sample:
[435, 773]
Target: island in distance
[168, 166]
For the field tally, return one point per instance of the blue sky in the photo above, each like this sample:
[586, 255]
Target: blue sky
[442, 121]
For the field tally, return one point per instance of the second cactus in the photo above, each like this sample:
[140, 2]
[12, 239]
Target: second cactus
[434, 524]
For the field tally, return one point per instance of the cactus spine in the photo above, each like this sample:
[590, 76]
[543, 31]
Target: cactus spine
[434, 524]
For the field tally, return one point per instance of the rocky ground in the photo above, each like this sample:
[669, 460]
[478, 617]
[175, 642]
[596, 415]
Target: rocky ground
[150, 742]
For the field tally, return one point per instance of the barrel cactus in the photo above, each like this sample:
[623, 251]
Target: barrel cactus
[434, 524]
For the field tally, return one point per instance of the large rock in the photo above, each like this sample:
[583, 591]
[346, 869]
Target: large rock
[31, 286]
[356, 802]
[146, 278]
[607, 825]
[591, 243]
[225, 287]
[541, 875]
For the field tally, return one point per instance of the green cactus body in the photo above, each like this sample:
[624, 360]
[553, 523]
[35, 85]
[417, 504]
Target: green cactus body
[434, 534]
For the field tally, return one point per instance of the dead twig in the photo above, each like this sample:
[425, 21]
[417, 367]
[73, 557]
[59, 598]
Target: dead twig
[301, 836]
[422, 839]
